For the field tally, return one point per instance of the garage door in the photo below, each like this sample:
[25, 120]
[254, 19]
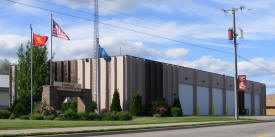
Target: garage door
[203, 100]
[186, 98]
[217, 101]
[247, 102]
[257, 104]
[230, 102]
[4, 98]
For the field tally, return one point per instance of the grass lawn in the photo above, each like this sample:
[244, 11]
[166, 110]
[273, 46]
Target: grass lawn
[32, 124]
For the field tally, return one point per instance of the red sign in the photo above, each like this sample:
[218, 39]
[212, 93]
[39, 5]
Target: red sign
[242, 82]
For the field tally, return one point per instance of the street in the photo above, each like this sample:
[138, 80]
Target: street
[240, 130]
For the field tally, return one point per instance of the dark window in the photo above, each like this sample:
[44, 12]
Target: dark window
[186, 78]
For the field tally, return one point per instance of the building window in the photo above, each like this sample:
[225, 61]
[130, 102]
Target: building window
[218, 83]
[203, 81]
[186, 78]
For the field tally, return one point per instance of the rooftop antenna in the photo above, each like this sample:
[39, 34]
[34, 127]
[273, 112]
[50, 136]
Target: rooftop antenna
[120, 50]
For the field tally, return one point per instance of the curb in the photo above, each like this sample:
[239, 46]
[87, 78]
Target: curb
[139, 129]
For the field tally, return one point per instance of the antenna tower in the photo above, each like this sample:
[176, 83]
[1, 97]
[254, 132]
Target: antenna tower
[96, 46]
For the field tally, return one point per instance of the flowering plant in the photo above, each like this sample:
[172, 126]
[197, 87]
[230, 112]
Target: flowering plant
[46, 110]
[161, 111]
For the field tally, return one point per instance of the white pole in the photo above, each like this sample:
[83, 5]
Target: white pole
[31, 69]
[51, 49]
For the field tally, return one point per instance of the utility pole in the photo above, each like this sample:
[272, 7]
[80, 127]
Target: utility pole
[233, 11]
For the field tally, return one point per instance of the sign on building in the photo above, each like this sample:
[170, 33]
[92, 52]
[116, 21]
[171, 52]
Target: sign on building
[242, 82]
[67, 86]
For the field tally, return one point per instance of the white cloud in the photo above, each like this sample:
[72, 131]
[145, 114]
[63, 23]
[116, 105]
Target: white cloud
[11, 41]
[177, 53]
[9, 44]
[105, 6]
[138, 49]
[256, 67]
[211, 64]
[270, 86]
[21, 6]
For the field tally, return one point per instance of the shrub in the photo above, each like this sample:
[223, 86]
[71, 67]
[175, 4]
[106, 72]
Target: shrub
[93, 116]
[157, 104]
[83, 116]
[45, 110]
[50, 117]
[4, 114]
[136, 105]
[244, 111]
[176, 111]
[67, 106]
[94, 106]
[124, 115]
[69, 115]
[36, 117]
[162, 111]
[109, 116]
[57, 118]
[12, 116]
[21, 106]
[115, 106]
[104, 111]
[157, 115]
[24, 117]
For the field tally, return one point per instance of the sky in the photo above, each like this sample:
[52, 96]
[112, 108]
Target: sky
[181, 32]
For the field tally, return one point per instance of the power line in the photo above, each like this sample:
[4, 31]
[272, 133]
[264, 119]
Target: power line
[259, 66]
[140, 32]
[124, 28]
[90, 13]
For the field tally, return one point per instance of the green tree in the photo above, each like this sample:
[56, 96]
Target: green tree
[4, 67]
[23, 75]
[176, 102]
[136, 105]
[115, 106]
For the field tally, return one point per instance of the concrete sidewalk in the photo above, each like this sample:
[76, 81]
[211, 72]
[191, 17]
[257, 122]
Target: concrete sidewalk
[106, 128]
[259, 117]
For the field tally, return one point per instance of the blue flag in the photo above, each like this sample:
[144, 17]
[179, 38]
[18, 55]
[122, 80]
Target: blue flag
[103, 54]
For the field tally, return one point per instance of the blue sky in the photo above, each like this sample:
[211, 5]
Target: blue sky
[192, 22]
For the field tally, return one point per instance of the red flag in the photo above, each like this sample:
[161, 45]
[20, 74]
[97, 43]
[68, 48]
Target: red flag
[39, 40]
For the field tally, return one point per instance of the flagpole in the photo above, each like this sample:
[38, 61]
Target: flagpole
[51, 49]
[31, 68]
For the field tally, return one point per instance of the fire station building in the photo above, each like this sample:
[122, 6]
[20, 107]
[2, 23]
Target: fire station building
[200, 92]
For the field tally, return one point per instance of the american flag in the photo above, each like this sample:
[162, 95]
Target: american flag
[57, 32]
